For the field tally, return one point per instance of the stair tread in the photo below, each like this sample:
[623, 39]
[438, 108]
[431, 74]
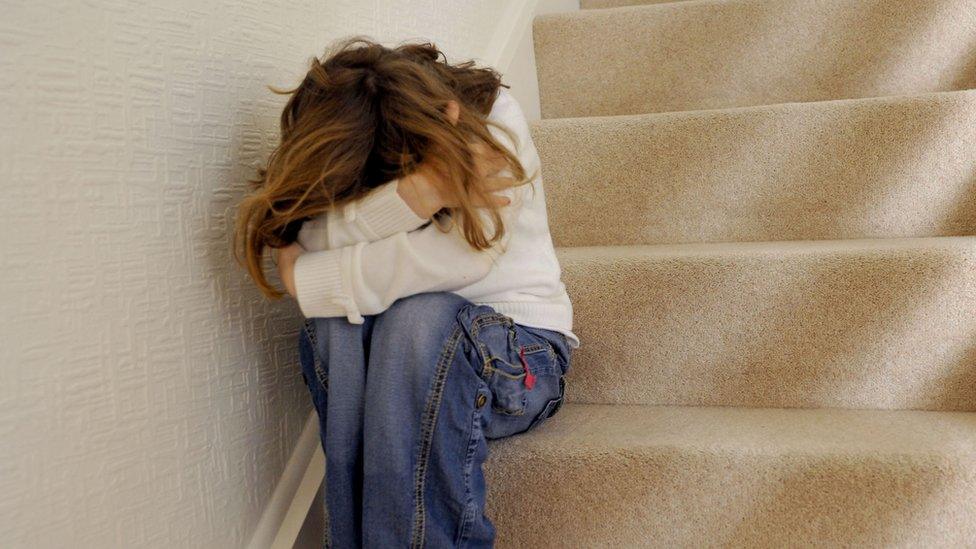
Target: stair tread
[616, 120]
[610, 4]
[897, 166]
[782, 247]
[861, 323]
[642, 476]
[638, 6]
[709, 54]
[588, 428]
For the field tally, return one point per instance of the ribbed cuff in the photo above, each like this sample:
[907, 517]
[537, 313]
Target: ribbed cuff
[319, 287]
[384, 212]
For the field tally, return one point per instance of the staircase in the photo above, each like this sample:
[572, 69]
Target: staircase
[766, 213]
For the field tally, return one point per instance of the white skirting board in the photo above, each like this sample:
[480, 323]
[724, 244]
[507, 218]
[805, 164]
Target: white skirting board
[510, 52]
[293, 496]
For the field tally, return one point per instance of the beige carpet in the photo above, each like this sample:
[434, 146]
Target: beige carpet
[880, 167]
[766, 214]
[632, 476]
[844, 323]
[702, 54]
[590, 4]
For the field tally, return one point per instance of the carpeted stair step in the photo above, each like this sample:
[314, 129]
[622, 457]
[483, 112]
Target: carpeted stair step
[708, 54]
[879, 167]
[887, 324]
[599, 4]
[635, 476]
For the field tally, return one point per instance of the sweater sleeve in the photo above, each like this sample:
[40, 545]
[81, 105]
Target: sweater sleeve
[379, 214]
[367, 277]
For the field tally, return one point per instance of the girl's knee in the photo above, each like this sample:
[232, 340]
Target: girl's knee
[431, 304]
[420, 314]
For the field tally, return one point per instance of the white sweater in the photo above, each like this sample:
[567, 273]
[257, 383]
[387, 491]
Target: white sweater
[376, 250]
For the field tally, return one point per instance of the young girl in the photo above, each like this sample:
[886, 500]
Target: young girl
[407, 208]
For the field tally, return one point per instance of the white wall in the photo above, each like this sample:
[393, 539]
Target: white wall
[149, 396]
[521, 73]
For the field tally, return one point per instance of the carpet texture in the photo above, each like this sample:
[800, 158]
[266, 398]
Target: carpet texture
[765, 212]
[633, 476]
[708, 54]
[865, 168]
[848, 323]
[592, 4]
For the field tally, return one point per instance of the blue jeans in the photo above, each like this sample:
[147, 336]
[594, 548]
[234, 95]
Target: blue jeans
[406, 402]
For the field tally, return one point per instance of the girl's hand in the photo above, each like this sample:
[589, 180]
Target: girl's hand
[287, 257]
[426, 193]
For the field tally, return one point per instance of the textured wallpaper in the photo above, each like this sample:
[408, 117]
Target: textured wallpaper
[149, 396]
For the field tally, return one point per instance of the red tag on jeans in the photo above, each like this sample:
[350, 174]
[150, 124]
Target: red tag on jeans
[529, 376]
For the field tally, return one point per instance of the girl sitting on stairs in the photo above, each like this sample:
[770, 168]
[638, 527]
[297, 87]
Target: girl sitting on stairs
[405, 205]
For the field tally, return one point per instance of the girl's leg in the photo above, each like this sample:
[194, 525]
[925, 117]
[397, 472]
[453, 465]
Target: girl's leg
[444, 375]
[333, 358]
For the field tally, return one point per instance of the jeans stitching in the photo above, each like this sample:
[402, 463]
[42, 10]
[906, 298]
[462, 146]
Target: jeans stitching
[323, 380]
[492, 369]
[468, 515]
[310, 332]
[488, 369]
[427, 435]
[483, 320]
[327, 532]
[535, 348]
[317, 365]
[545, 414]
[551, 407]
[479, 322]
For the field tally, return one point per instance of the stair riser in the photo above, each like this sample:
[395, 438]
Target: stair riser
[666, 497]
[897, 167]
[706, 55]
[888, 324]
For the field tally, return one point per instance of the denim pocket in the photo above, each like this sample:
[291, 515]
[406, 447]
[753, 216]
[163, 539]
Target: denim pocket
[511, 357]
[552, 406]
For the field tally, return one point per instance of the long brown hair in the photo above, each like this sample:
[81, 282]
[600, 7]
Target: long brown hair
[361, 117]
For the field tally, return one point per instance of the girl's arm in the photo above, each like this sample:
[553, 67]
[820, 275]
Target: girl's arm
[367, 277]
[381, 213]
[400, 205]
[393, 207]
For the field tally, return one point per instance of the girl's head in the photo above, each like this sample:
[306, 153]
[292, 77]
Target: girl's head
[361, 117]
